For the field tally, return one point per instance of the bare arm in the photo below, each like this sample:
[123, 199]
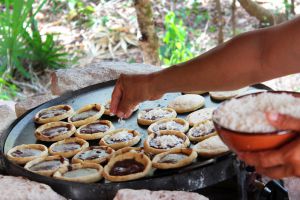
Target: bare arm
[246, 59]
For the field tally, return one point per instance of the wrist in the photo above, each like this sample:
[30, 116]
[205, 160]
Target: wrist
[155, 85]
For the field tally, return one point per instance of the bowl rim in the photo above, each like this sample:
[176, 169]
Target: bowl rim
[276, 132]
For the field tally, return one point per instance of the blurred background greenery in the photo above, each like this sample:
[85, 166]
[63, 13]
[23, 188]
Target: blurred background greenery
[39, 36]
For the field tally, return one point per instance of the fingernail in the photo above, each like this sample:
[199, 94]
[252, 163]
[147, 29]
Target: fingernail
[273, 116]
[126, 115]
[113, 111]
[120, 114]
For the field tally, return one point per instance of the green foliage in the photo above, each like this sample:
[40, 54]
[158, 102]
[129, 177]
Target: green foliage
[192, 14]
[44, 54]
[288, 7]
[7, 90]
[81, 12]
[176, 48]
[13, 24]
[57, 6]
[21, 45]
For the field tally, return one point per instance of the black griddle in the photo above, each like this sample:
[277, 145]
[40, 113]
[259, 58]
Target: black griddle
[201, 174]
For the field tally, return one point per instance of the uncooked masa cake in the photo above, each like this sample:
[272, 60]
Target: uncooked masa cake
[200, 116]
[223, 95]
[213, 146]
[187, 103]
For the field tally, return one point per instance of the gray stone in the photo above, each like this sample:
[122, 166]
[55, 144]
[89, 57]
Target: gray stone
[31, 102]
[19, 188]
[125, 194]
[8, 115]
[10, 104]
[64, 80]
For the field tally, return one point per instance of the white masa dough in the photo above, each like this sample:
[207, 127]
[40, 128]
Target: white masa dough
[248, 114]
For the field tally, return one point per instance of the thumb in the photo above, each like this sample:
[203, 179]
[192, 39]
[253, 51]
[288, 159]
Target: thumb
[283, 122]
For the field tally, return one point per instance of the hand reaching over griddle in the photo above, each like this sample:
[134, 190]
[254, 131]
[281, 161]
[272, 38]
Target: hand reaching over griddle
[282, 162]
[129, 91]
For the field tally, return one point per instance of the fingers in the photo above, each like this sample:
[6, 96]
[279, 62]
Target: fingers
[125, 107]
[129, 111]
[264, 159]
[116, 98]
[277, 163]
[283, 122]
[277, 172]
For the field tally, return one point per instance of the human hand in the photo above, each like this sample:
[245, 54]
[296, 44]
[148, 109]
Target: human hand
[282, 162]
[131, 90]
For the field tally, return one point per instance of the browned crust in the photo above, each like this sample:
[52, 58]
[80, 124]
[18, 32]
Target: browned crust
[129, 149]
[94, 136]
[38, 133]
[203, 112]
[136, 138]
[84, 144]
[200, 138]
[152, 150]
[24, 160]
[177, 120]
[139, 157]
[46, 172]
[147, 122]
[195, 92]
[110, 151]
[84, 179]
[192, 155]
[69, 112]
[209, 149]
[91, 119]
[224, 95]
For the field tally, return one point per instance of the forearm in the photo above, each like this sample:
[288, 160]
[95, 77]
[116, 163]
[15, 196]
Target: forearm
[244, 60]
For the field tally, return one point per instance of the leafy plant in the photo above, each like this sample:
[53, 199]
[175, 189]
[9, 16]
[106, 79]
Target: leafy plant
[44, 54]
[7, 90]
[81, 12]
[288, 8]
[13, 24]
[57, 6]
[21, 45]
[176, 48]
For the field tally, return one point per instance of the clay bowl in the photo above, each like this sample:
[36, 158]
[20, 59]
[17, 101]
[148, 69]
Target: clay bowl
[254, 141]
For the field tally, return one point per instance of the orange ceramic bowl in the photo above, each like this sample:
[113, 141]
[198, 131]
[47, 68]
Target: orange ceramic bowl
[254, 141]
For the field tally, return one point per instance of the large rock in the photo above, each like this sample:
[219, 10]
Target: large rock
[8, 115]
[19, 188]
[10, 104]
[64, 80]
[31, 102]
[125, 194]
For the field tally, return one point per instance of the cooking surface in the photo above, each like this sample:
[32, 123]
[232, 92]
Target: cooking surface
[189, 178]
